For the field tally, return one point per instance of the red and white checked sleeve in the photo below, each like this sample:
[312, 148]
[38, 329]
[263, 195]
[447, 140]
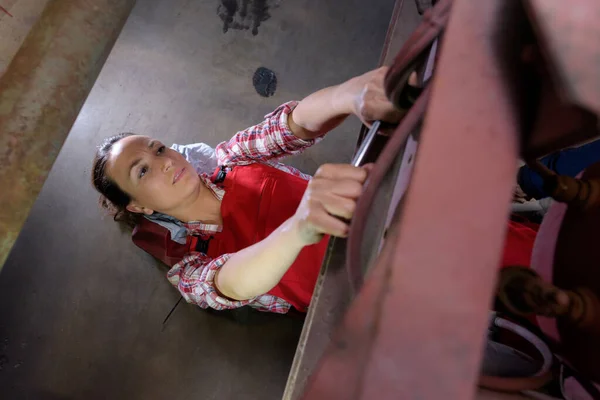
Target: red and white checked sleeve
[194, 278]
[266, 142]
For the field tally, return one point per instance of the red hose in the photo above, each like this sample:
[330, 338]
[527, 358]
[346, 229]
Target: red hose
[430, 28]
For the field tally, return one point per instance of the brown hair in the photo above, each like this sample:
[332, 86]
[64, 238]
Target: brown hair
[112, 198]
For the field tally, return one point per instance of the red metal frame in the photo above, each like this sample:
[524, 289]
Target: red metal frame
[416, 328]
[509, 73]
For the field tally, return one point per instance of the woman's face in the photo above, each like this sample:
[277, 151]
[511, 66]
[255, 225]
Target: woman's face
[156, 177]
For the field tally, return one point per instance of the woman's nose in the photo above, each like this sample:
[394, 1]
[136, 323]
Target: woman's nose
[167, 165]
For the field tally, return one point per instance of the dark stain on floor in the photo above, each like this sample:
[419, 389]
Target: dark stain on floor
[265, 82]
[244, 14]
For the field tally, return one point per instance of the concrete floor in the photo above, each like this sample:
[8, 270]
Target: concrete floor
[81, 308]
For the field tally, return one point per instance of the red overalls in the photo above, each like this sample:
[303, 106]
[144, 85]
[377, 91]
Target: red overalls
[518, 244]
[258, 199]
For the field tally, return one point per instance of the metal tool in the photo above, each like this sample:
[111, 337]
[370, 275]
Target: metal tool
[361, 154]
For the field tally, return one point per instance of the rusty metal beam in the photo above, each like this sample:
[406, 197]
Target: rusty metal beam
[41, 94]
[416, 329]
[333, 292]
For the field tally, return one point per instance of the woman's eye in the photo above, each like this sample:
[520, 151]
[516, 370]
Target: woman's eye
[160, 150]
[143, 171]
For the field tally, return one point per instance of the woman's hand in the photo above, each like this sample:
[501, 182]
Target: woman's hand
[367, 99]
[329, 202]
[325, 109]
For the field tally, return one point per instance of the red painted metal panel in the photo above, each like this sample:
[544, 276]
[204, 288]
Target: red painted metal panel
[569, 32]
[417, 326]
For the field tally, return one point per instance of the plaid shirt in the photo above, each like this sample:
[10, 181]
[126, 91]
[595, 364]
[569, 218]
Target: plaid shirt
[266, 142]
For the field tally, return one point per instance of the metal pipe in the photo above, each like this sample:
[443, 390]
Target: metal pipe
[361, 154]
[41, 94]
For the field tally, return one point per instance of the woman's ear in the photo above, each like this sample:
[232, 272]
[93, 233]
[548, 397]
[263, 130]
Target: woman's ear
[134, 208]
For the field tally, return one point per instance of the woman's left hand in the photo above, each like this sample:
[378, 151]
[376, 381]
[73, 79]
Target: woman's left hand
[368, 99]
[325, 109]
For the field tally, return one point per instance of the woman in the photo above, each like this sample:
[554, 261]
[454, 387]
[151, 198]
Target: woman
[264, 222]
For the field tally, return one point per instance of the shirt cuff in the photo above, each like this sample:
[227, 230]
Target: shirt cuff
[194, 277]
[288, 140]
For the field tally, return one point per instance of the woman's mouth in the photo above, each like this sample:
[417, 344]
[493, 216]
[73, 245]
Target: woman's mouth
[178, 175]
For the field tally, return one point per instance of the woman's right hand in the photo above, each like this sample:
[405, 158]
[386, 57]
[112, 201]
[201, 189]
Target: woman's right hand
[329, 202]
